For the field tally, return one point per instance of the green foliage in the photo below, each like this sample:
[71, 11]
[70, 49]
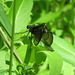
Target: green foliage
[24, 10]
[4, 20]
[59, 59]
[67, 50]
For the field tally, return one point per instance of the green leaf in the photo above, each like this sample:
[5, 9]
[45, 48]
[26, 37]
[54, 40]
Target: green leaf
[2, 59]
[47, 17]
[59, 32]
[22, 51]
[39, 56]
[10, 14]
[3, 66]
[23, 15]
[45, 57]
[67, 7]
[32, 57]
[55, 62]
[4, 20]
[4, 63]
[44, 72]
[65, 49]
[68, 69]
[2, 72]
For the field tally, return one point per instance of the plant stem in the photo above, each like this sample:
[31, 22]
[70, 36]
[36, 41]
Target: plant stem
[12, 38]
[72, 19]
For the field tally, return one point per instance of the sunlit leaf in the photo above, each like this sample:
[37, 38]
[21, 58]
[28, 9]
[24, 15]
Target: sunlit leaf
[48, 17]
[4, 20]
[23, 15]
[65, 49]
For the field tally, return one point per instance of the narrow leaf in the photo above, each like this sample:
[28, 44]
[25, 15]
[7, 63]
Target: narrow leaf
[23, 15]
[4, 20]
[65, 49]
[47, 17]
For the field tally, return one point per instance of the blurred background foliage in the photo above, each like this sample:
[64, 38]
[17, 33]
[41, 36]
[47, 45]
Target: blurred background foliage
[57, 14]
[60, 19]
